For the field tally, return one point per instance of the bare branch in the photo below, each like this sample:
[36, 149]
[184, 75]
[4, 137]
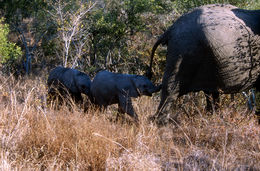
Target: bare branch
[70, 31]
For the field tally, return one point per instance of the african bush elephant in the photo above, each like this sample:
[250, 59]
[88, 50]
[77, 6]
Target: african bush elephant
[214, 48]
[64, 83]
[114, 88]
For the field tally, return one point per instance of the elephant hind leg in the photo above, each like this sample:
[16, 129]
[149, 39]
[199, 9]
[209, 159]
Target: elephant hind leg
[170, 87]
[163, 113]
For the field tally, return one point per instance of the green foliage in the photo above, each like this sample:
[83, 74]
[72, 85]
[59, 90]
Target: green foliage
[16, 10]
[183, 6]
[9, 52]
[28, 19]
[114, 28]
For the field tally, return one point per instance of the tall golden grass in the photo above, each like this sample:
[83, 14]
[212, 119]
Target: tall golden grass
[36, 137]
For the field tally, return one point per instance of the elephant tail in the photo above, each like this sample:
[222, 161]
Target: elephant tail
[163, 39]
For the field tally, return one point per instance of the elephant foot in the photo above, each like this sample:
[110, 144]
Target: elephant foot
[121, 118]
[162, 116]
[155, 117]
[160, 119]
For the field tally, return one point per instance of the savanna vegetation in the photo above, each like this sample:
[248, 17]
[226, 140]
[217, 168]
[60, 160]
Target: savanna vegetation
[116, 35]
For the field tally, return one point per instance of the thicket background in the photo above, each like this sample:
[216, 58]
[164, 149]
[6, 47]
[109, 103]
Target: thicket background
[88, 35]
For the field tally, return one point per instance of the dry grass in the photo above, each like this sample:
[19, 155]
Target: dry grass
[36, 137]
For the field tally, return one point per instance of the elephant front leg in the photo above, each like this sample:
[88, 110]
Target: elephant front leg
[125, 106]
[78, 99]
[74, 100]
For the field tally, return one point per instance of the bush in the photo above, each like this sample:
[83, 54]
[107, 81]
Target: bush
[183, 6]
[9, 52]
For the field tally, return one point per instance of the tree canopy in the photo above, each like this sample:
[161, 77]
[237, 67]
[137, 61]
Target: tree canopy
[110, 34]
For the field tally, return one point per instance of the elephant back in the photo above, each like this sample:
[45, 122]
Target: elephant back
[55, 75]
[220, 40]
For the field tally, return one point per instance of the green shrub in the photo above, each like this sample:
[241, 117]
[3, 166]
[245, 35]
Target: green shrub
[183, 6]
[9, 52]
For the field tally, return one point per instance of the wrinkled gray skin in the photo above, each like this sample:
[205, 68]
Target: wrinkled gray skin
[113, 88]
[212, 48]
[67, 82]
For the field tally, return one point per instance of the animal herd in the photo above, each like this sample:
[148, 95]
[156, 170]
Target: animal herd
[106, 88]
[213, 48]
